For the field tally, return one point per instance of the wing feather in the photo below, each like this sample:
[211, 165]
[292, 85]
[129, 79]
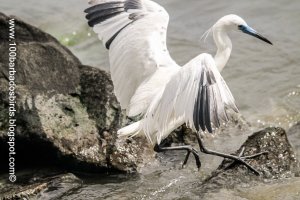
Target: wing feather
[196, 95]
[134, 32]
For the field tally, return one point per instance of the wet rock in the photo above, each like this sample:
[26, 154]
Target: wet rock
[122, 154]
[294, 136]
[67, 114]
[280, 162]
[40, 185]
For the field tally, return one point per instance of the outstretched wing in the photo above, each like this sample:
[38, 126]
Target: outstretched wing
[134, 31]
[196, 95]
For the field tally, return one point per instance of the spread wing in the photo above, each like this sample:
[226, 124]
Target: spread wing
[196, 95]
[134, 32]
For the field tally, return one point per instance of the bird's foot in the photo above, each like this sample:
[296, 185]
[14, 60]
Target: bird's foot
[241, 159]
[187, 148]
[196, 156]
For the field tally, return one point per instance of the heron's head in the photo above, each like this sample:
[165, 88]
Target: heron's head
[234, 22]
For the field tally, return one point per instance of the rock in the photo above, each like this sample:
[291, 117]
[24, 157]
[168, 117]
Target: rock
[67, 114]
[294, 136]
[280, 162]
[40, 185]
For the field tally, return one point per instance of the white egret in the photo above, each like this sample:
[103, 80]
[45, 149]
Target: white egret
[149, 83]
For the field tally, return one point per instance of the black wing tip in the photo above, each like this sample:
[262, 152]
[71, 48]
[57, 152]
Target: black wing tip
[202, 119]
[207, 128]
[103, 10]
[135, 4]
[87, 10]
[91, 24]
[103, 6]
[90, 9]
[98, 19]
[99, 13]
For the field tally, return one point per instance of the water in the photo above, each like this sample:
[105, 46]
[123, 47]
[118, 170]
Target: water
[264, 79]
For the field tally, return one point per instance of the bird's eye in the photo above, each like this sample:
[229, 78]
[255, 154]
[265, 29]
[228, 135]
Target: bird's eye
[241, 27]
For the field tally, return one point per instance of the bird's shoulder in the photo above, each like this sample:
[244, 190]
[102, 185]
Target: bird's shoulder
[202, 68]
[205, 58]
[203, 61]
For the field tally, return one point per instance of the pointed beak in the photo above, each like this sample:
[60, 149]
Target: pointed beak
[250, 31]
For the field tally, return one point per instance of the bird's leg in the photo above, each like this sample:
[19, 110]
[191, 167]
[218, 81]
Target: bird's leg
[232, 157]
[187, 148]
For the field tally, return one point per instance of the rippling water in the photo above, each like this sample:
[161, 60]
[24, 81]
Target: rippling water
[264, 79]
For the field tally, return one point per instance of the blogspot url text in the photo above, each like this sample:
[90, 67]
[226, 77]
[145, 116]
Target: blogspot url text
[12, 56]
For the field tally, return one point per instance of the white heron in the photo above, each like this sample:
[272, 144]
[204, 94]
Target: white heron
[149, 83]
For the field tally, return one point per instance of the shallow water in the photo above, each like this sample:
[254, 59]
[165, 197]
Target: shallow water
[264, 79]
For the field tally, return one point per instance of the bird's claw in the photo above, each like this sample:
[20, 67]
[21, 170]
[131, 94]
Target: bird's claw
[254, 155]
[195, 154]
[241, 159]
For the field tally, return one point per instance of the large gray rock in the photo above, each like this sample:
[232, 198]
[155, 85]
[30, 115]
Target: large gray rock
[67, 113]
[280, 162]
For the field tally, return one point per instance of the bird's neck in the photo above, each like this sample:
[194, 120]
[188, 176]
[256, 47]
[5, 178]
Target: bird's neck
[224, 46]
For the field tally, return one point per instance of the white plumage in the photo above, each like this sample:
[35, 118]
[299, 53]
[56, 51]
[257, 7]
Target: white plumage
[177, 102]
[137, 53]
[148, 82]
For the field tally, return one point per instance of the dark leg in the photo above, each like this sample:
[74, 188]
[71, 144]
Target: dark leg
[232, 157]
[187, 148]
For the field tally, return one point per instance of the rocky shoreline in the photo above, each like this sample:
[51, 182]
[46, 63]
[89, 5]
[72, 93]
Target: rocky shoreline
[66, 112]
[67, 118]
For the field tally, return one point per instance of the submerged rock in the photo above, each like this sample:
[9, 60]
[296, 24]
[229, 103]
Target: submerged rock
[67, 114]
